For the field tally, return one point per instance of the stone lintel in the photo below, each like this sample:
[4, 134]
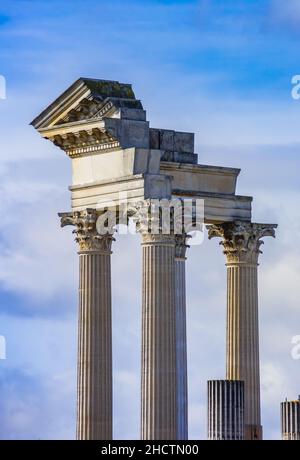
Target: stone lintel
[218, 208]
[201, 178]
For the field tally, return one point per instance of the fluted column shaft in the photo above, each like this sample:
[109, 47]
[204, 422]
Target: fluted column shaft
[94, 365]
[158, 338]
[290, 420]
[225, 410]
[94, 381]
[242, 357]
[241, 243]
[181, 347]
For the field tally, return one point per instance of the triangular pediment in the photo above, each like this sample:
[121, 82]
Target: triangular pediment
[87, 99]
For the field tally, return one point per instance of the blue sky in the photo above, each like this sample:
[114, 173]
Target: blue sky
[221, 69]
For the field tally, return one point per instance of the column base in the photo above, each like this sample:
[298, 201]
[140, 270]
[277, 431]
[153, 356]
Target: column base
[253, 432]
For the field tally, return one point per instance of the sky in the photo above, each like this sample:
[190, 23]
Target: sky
[221, 69]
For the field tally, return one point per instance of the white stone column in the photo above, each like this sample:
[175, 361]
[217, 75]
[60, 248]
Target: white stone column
[241, 243]
[181, 348]
[158, 416]
[94, 372]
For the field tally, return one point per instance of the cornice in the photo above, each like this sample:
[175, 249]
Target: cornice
[82, 142]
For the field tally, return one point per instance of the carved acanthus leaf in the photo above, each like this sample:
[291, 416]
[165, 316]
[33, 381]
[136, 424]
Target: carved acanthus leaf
[241, 240]
[181, 246]
[158, 216]
[87, 236]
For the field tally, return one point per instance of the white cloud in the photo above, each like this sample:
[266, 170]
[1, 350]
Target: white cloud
[280, 285]
[38, 258]
[38, 378]
[31, 408]
[273, 381]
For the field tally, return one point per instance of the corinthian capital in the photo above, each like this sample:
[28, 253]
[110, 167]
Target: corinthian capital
[241, 240]
[87, 236]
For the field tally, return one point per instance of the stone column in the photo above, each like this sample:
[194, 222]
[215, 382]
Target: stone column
[225, 410]
[290, 420]
[181, 349]
[158, 338]
[94, 372]
[241, 243]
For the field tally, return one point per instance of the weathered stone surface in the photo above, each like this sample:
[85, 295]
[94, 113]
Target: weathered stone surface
[183, 142]
[179, 157]
[157, 186]
[129, 133]
[174, 141]
[86, 98]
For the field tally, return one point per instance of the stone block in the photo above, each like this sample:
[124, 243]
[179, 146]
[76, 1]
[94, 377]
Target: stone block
[166, 139]
[183, 142]
[129, 133]
[132, 114]
[157, 186]
[154, 138]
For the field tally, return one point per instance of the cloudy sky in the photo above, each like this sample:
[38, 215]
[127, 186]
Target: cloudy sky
[222, 69]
